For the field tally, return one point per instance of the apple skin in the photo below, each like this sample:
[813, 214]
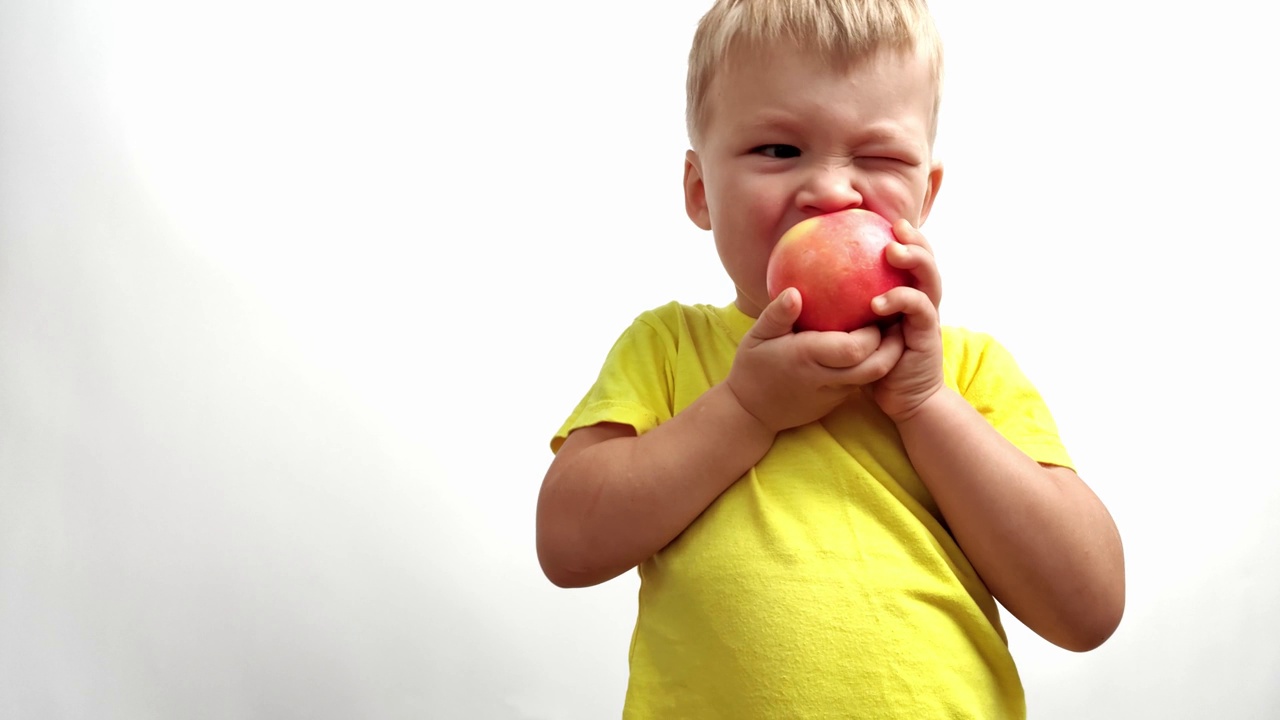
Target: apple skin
[837, 262]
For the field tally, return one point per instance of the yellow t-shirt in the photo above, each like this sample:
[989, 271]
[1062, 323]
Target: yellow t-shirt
[824, 582]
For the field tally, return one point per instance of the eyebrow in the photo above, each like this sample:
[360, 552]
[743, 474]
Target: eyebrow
[887, 134]
[787, 123]
[771, 122]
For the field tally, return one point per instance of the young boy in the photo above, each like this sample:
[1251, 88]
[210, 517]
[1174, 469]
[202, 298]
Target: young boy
[822, 521]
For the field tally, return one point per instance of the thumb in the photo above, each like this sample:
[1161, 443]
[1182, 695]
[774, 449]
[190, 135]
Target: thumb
[779, 317]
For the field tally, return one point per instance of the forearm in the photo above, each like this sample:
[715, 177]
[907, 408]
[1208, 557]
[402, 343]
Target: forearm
[1042, 541]
[614, 504]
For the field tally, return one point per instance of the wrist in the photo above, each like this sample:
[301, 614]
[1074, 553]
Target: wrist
[752, 423]
[926, 403]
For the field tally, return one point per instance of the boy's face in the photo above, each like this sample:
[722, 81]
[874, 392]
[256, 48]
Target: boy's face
[787, 135]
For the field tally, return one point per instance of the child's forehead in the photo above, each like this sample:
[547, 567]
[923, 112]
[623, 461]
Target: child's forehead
[772, 88]
[752, 50]
[742, 60]
[747, 59]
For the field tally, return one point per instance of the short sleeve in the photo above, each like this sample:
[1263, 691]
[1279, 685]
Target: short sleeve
[634, 386]
[990, 380]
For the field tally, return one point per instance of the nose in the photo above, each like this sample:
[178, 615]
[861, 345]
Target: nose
[828, 189]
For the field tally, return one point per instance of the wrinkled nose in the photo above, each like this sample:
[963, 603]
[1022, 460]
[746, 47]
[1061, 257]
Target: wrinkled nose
[828, 189]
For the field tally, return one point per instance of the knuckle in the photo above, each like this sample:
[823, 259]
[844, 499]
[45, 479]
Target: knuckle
[851, 353]
[878, 366]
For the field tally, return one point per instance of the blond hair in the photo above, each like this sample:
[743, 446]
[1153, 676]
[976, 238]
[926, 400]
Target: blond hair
[844, 31]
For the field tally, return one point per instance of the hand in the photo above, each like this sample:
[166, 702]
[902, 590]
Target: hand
[918, 373]
[786, 379]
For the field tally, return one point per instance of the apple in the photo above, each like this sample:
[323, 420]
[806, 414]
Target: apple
[837, 262]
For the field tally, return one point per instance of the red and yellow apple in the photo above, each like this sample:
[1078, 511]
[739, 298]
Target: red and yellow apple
[837, 262]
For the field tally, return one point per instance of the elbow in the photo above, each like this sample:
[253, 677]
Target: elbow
[1086, 641]
[569, 562]
[563, 574]
[567, 579]
[1091, 629]
[561, 558]
[554, 548]
[558, 576]
[570, 554]
[552, 559]
[555, 569]
[1103, 627]
[1083, 640]
[1098, 604]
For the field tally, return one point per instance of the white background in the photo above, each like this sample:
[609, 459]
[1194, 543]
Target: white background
[294, 294]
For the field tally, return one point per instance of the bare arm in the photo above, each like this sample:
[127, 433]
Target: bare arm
[611, 499]
[1042, 541]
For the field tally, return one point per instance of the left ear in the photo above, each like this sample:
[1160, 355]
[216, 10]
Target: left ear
[931, 191]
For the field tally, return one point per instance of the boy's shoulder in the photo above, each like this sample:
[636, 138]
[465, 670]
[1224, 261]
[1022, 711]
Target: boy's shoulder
[676, 311]
[985, 372]
[699, 321]
[960, 338]
[966, 352]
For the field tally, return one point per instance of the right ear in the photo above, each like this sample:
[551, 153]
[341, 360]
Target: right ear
[695, 192]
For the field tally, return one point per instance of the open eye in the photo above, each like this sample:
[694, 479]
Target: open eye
[777, 151]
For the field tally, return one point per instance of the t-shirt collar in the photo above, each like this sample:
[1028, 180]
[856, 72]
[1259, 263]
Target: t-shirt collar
[736, 321]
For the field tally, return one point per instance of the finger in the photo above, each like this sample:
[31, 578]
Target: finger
[921, 264]
[908, 234]
[778, 317]
[880, 362]
[919, 317]
[840, 349]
